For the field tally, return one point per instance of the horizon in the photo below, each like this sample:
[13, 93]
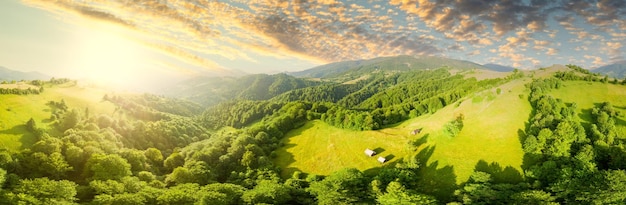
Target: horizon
[152, 43]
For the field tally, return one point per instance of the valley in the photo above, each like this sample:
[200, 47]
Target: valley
[440, 132]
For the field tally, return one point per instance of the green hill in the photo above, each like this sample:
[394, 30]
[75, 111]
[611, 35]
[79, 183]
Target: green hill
[355, 69]
[490, 133]
[16, 110]
[209, 91]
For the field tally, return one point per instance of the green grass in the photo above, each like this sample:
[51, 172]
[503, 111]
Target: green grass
[490, 134]
[15, 110]
[319, 148]
[587, 94]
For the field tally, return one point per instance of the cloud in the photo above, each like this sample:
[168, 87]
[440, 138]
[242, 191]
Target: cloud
[597, 61]
[552, 51]
[199, 31]
[473, 53]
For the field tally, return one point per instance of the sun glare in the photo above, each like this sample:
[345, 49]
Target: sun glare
[107, 57]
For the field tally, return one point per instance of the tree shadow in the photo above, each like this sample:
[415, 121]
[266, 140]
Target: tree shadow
[420, 141]
[507, 174]
[433, 180]
[282, 158]
[27, 139]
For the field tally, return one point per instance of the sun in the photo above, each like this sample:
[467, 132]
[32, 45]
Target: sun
[110, 58]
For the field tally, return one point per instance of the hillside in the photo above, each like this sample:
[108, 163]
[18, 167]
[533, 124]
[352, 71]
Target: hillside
[499, 68]
[16, 110]
[389, 64]
[316, 148]
[615, 70]
[9, 75]
[446, 135]
[209, 91]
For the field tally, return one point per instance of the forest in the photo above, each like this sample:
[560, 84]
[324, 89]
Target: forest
[160, 150]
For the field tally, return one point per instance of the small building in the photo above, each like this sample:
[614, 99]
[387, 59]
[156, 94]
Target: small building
[382, 159]
[416, 131]
[370, 152]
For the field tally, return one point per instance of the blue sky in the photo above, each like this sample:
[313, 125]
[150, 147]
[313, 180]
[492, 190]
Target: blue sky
[121, 40]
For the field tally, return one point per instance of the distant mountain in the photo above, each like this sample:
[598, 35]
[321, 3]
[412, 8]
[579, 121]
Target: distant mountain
[395, 63]
[499, 68]
[8, 74]
[616, 70]
[209, 91]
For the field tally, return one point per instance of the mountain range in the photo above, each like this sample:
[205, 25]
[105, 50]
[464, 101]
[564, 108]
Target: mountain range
[394, 63]
[616, 70]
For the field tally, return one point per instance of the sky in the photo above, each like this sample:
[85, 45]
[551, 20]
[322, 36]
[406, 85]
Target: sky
[153, 41]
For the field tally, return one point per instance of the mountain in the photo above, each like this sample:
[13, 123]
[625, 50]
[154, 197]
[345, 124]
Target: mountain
[8, 74]
[212, 90]
[616, 70]
[395, 63]
[499, 68]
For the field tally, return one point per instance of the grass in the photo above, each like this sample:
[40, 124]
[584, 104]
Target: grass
[320, 148]
[587, 94]
[490, 134]
[15, 110]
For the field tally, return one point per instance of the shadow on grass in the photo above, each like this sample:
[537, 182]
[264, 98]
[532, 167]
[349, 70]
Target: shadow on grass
[282, 158]
[27, 138]
[434, 180]
[507, 174]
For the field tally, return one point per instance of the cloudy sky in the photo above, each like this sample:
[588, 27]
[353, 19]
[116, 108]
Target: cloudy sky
[120, 40]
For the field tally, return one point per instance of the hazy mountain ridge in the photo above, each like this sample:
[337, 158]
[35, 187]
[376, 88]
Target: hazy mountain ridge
[8, 74]
[212, 90]
[395, 63]
[498, 67]
[616, 70]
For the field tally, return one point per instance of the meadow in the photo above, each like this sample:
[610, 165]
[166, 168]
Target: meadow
[16, 110]
[490, 134]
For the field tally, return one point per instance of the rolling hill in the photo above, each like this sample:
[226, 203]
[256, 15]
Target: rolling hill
[209, 91]
[499, 68]
[9, 75]
[395, 63]
[443, 133]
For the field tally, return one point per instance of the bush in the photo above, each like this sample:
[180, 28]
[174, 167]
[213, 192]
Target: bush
[455, 126]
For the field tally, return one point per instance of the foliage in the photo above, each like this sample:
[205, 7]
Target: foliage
[455, 126]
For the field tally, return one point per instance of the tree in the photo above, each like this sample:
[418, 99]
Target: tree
[346, 186]
[267, 192]
[397, 194]
[105, 167]
[218, 193]
[71, 119]
[45, 191]
[173, 161]
[31, 125]
[455, 126]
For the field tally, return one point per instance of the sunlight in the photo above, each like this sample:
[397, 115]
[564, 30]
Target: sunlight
[107, 57]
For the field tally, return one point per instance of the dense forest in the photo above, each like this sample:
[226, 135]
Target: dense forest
[158, 150]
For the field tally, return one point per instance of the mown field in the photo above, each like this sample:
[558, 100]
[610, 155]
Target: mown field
[16, 110]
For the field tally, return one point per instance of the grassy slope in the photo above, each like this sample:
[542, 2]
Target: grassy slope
[587, 94]
[321, 149]
[15, 110]
[490, 134]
